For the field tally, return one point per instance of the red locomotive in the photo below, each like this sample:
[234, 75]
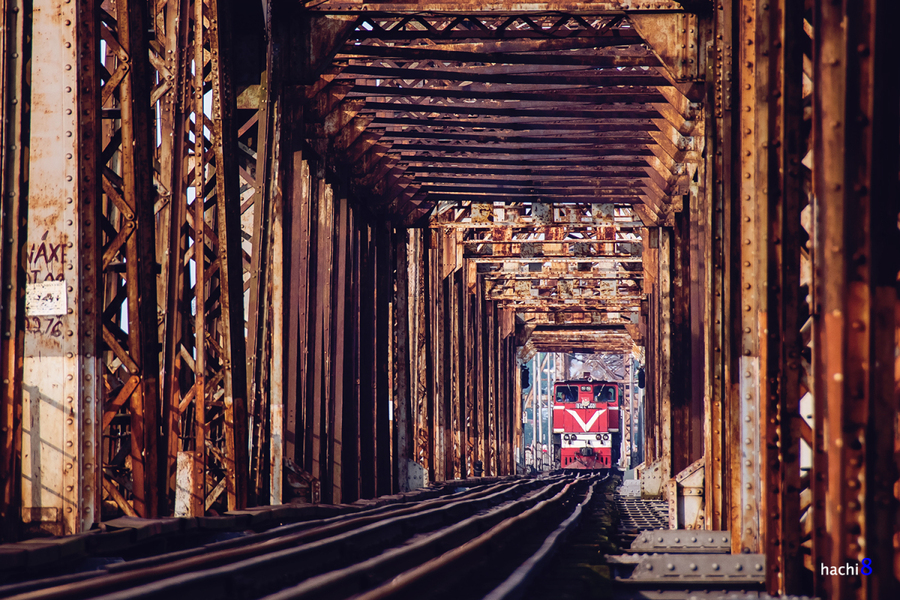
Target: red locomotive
[586, 418]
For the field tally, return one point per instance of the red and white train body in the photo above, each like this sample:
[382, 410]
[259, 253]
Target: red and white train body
[586, 417]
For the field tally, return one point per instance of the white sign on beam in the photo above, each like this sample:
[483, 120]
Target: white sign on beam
[46, 298]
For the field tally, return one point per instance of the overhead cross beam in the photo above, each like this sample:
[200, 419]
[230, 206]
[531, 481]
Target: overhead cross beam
[411, 97]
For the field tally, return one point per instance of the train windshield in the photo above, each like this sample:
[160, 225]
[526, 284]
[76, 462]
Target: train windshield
[605, 393]
[567, 393]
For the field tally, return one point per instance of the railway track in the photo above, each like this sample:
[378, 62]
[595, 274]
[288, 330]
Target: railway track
[379, 552]
[622, 551]
[507, 539]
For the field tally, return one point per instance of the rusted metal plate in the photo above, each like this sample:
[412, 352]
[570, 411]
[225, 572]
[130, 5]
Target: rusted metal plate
[13, 164]
[53, 398]
[682, 541]
[503, 7]
[686, 568]
[674, 38]
[856, 295]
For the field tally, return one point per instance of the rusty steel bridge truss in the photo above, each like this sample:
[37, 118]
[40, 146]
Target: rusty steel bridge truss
[256, 252]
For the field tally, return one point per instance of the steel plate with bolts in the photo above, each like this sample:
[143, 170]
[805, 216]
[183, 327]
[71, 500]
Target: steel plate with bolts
[682, 541]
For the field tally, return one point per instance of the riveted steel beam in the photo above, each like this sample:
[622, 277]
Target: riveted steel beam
[502, 8]
[12, 278]
[752, 304]
[781, 28]
[682, 541]
[673, 38]
[855, 128]
[687, 568]
[207, 391]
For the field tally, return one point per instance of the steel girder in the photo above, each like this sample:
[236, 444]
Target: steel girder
[855, 154]
[12, 224]
[121, 217]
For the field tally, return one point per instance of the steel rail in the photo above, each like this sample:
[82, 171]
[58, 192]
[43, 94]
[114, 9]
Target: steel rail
[318, 565]
[331, 525]
[515, 585]
[276, 538]
[405, 564]
[218, 574]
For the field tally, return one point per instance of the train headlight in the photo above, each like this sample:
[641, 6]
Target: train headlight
[599, 436]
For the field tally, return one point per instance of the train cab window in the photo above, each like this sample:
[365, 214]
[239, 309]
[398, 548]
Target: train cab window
[605, 393]
[567, 393]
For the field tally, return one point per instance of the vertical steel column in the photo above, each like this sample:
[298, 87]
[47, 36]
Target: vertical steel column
[383, 296]
[453, 344]
[172, 38]
[403, 418]
[53, 408]
[128, 265]
[332, 483]
[367, 424]
[550, 380]
[322, 224]
[767, 204]
[518, 409]
[271, 353]
[231, 345]
[426, 358]
[418, 347]
[664, 336]
[205, 341]
[465, 373]
[781, 164]
[460, 354]
[650, 262]
[470, 301]
[489, 333]
[685, 419]
[439, 362]
[295, 224]
[140, 277]
[632, 439]
[535, 394]
[351, 419]
[256, 289]
[719, 131]
[12, 276]
[90, 129]
[753, 129]
[482, 446]
[855, 127]
[538, 426]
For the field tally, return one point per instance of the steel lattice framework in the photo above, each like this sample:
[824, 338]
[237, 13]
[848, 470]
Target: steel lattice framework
[263, 252]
